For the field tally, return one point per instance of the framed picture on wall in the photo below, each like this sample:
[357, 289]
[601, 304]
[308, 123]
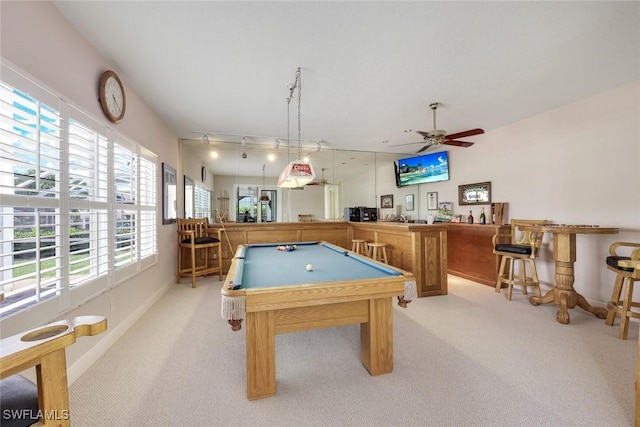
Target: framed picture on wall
[386, 201]
[408, 201]
[432, 201]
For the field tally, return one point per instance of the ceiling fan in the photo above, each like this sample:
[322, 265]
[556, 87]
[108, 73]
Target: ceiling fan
[322, 181]
[440, 137]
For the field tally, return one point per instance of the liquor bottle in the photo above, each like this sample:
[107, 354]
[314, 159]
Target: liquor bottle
[470, 217]
[483, 219]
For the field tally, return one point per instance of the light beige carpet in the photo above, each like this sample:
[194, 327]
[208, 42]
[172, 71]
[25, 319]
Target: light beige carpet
[470, 358]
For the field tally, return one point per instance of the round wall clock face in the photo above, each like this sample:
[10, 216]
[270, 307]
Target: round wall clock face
[112, 96]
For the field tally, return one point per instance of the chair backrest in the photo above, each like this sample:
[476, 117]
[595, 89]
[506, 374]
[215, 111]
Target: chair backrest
[198, 225]
[521, 237]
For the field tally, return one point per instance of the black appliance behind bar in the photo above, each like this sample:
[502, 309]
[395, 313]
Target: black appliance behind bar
[360, 214]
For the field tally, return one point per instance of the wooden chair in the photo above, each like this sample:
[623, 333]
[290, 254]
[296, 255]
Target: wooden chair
[195, 235]
[522, 246]
[627, 268]
[305, 217]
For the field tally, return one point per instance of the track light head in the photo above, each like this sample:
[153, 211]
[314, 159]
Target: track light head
[244, 154]
[276, 143]
[205, 139]
[244, 141]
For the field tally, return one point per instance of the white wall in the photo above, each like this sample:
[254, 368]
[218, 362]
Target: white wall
[577, 164]
[37, 39]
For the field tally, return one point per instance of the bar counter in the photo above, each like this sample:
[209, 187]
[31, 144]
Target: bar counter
[418, 248]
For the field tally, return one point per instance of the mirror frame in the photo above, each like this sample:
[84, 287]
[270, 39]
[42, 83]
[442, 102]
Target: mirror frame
[464, 192]
[188, 188]
[169, 178]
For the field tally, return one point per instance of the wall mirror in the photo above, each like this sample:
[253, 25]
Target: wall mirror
[343, 178]
[475, 194]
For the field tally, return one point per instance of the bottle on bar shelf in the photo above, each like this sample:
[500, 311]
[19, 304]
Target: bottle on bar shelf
[470, 217]
[483, 218]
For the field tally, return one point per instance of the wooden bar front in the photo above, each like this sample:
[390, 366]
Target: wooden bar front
[470, 251]
[418, 248]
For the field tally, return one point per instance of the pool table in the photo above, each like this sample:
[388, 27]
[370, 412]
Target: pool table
[275, 293]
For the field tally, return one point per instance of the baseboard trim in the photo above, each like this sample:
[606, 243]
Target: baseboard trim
[90, 357]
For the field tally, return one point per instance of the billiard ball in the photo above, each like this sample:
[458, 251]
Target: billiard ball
[309, 267]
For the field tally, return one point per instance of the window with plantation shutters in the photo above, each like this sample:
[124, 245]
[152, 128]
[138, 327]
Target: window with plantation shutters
[31, 260]
[202, 202]
[88, 153]
[78, 209]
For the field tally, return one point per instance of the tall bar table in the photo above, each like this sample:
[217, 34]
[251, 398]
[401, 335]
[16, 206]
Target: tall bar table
[564, 255]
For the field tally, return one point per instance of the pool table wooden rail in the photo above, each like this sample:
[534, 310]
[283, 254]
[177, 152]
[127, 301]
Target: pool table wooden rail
[418, 248]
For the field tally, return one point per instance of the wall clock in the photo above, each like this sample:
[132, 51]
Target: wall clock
[112, 97]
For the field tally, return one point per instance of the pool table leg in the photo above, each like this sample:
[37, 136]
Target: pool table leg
[376, 337]
[261, 354]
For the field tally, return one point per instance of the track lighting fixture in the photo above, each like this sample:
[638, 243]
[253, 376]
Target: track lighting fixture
[276, 143]
[244, 141]
[244, 154]
[205, 139]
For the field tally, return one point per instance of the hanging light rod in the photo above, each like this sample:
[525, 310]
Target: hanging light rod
[297, 173]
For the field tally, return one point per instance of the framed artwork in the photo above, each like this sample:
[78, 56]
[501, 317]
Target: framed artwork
[408, 201]
[432, 201]
[386, 201]
[474, 194]
[169, 194]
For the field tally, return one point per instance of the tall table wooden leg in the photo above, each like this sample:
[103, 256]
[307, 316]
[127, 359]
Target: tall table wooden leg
[564, 295]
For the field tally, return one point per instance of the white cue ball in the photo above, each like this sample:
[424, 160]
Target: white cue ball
[309, 267]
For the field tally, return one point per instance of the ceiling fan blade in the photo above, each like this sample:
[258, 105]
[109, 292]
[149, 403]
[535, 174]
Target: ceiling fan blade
[423, 133]
[458, 143]
[465, 133]
[408, 143]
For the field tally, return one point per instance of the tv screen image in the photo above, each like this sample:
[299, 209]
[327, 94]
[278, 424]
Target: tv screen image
[432, 167]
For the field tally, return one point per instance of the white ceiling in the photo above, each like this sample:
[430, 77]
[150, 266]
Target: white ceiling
[369, 69]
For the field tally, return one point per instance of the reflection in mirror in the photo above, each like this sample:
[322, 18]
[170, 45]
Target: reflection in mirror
[343, 179]
[188, 197]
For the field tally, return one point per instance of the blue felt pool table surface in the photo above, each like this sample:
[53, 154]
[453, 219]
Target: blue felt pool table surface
[263, 265]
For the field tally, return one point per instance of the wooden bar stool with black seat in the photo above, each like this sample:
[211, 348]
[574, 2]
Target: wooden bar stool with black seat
[359, 246]
[194, 238]
[523, 248]
[378, 252]
[627, 269]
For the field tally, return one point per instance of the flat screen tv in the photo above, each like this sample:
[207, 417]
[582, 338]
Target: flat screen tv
[431, 167]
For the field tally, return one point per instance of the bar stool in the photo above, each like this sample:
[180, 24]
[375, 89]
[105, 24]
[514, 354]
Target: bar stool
[378, 252]
[627, 269]
[359, 246]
